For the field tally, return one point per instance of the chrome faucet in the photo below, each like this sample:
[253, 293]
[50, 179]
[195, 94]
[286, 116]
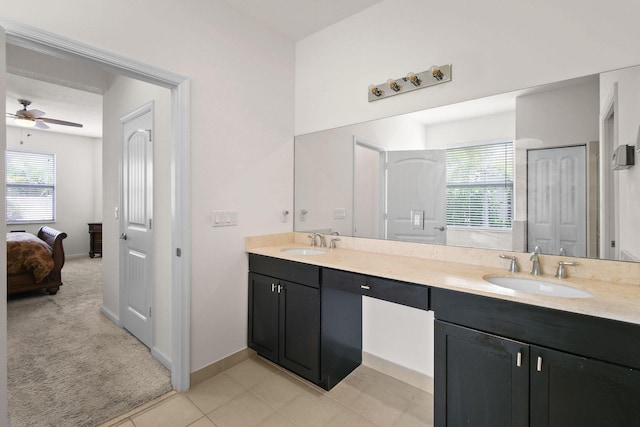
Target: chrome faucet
[535, 262]
[513, 267]
[561, 272]
[313, 236]
[332, 243]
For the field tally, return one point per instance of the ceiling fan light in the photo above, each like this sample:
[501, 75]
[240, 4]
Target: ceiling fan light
[25, 122]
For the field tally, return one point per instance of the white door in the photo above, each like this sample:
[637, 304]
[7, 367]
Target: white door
[416, 196]
[556, 206]
[136, 250]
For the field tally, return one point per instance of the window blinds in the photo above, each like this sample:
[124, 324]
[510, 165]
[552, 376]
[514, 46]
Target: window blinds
[30, 187]
[480, 186]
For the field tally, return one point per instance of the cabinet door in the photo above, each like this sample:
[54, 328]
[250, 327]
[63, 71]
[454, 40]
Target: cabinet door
[263, 315]
[300, 330]
[568, 390]
[481, 380]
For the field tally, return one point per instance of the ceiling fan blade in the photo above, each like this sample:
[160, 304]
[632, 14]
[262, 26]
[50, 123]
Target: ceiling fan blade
[41, 125]
[11, 115]
[34, 114]
[59, 122]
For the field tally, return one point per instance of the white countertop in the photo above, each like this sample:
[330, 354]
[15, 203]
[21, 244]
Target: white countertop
[617, 301]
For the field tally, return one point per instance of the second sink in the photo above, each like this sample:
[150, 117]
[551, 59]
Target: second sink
[538, 287]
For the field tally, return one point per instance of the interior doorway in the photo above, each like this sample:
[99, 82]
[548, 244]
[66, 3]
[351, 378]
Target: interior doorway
[37, 40]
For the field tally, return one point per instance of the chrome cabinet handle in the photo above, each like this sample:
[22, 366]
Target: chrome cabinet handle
[519, 359]
[365, 287]
[279, 288]
[539, 366]
[273, 287]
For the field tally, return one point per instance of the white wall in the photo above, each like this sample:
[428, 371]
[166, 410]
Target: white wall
[494, 47]
[124, 96]
[76, 180]
[241, 134]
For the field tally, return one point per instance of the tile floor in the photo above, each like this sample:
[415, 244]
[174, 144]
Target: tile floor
[257, 393]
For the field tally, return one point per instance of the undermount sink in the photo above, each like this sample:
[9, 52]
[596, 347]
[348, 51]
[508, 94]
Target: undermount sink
[538, 287]
[304, 251]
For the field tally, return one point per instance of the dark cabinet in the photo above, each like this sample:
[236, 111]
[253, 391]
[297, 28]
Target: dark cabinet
[481, 379]
[303, 323]
[284, 324]
[494, 366]
[568, 390]
[95, 239]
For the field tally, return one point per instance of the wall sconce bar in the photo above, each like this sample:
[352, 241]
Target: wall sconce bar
[433, 76]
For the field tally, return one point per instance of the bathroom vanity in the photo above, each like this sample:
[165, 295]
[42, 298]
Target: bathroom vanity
[501, 359]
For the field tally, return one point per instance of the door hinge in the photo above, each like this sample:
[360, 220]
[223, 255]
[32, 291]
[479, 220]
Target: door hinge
[149, 311]
[178, 252]
[150, 224]
[149, 132]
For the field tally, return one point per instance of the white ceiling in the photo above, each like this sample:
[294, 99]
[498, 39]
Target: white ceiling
[298, 19]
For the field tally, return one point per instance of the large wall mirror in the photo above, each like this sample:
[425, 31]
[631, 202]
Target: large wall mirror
[541, 168]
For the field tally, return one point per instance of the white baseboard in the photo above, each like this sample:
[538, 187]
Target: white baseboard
[402, 373]
[110, 315]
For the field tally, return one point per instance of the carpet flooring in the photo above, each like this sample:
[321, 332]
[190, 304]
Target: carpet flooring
[68, 365]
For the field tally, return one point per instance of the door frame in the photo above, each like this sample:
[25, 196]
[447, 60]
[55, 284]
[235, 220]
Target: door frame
[382, 151]
[32, 38]
[608, 187]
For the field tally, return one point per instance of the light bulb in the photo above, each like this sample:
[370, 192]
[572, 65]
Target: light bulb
[415, 80]
[25, 122]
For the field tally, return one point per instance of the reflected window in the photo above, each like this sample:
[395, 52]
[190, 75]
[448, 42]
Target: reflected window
[30, 187]
[480, 186]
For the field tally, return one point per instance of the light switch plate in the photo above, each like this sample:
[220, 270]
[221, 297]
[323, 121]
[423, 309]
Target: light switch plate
[224, 218]
[339, 213]
[417, 220]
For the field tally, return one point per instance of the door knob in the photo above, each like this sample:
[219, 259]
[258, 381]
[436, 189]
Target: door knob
[123, 236]
[441, 228]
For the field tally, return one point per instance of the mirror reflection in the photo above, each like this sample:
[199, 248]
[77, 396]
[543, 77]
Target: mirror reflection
[546, 168]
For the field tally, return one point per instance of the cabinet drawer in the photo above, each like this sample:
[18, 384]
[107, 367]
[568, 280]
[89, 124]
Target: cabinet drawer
[343, 280]
[286, 270]
[408, 294]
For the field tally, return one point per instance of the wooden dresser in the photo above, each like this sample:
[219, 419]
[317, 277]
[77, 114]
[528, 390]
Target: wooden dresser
[95, 239]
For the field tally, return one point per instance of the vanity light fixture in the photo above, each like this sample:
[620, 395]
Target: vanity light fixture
[433, 76]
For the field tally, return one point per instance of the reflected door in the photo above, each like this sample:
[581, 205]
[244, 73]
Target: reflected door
[416, 196]
[556, 200]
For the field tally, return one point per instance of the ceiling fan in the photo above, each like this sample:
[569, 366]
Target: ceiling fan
[33, 118]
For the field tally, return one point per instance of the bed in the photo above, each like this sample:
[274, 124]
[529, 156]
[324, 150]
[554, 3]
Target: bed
[35, 262]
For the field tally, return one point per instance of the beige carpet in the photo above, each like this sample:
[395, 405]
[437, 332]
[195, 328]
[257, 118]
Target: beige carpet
[68, 365]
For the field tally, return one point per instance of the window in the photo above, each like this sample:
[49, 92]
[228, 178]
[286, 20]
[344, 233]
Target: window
[30, 187]
[480, 186]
